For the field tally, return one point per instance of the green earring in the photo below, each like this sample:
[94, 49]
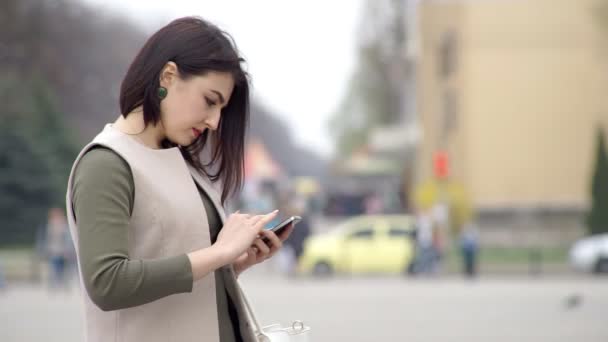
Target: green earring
[162, 92]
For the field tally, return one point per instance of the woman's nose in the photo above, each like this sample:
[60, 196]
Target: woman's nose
[214, 120]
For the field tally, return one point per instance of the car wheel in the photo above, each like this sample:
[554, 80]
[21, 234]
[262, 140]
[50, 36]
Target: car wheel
[601, 266]
[322, 269]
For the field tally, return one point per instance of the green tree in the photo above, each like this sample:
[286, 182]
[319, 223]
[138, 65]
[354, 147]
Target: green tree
[375, 93]
[597, 220]
[25, 190]
[35, 158]
[53, 139]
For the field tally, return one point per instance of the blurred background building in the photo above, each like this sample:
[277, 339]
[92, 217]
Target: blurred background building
[513, 92]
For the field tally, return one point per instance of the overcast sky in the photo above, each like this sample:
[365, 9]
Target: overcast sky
[300, 53]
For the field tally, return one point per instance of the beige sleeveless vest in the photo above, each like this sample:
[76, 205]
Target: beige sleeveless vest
[168, 219]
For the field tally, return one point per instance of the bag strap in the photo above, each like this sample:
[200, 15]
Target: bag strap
[297, 325]
[256, 324]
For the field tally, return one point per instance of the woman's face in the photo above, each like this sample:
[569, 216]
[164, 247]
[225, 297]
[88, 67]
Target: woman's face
[194, 104]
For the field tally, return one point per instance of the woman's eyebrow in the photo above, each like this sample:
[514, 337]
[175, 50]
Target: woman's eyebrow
[220, 95]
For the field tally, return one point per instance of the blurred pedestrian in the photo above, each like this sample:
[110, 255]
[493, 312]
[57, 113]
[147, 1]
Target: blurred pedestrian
[58, 246]
[295, 244]
[373, 204]
[469, 247]
[265, 201]
[2, 278]
[426, 254]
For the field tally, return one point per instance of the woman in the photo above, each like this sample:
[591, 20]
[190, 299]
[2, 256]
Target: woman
[156, 254]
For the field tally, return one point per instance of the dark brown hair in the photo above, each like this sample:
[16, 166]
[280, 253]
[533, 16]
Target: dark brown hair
[196, 47]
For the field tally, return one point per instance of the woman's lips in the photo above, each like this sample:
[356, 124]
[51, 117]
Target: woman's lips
[196, 132]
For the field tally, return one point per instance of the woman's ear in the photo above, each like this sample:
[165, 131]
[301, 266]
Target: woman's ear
[168, 74]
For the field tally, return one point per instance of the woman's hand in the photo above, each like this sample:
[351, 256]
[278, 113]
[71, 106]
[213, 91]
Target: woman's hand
[260, 251]
[239, 233]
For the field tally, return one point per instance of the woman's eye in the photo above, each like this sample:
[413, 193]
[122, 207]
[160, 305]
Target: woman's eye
[210, 102]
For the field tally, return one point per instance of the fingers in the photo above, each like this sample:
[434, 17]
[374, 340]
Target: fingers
[248, 259]
[252, 253]
[239, 215]
[265, 219]
[255, 219]
[273, 241]
[262, 248]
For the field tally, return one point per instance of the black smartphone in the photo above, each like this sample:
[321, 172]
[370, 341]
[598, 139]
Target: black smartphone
[278, 229]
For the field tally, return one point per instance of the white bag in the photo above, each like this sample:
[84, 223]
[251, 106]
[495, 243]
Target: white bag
[297, 332]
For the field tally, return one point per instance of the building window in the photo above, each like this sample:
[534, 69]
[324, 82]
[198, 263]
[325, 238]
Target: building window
[449, 113]
[448, 47]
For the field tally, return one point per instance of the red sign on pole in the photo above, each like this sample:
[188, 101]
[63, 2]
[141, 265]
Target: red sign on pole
[441, 164]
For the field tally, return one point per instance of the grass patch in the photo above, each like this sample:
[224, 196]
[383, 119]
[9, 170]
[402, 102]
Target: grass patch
[516, 256]
[523, 255]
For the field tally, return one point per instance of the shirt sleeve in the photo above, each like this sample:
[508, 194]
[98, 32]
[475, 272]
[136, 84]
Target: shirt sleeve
[102, 198]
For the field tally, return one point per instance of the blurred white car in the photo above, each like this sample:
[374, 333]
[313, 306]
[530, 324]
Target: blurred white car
[590, 254]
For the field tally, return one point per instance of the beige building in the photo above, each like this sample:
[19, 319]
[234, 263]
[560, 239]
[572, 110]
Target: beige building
[514, 91]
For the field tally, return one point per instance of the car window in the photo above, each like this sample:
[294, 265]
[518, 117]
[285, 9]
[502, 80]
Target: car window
[396, 232]
[362, 234]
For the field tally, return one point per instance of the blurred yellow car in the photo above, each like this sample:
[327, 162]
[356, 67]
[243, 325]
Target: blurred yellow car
[362, 245]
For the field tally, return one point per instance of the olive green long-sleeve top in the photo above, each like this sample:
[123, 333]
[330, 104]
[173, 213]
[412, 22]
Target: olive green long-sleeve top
[103, 196]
